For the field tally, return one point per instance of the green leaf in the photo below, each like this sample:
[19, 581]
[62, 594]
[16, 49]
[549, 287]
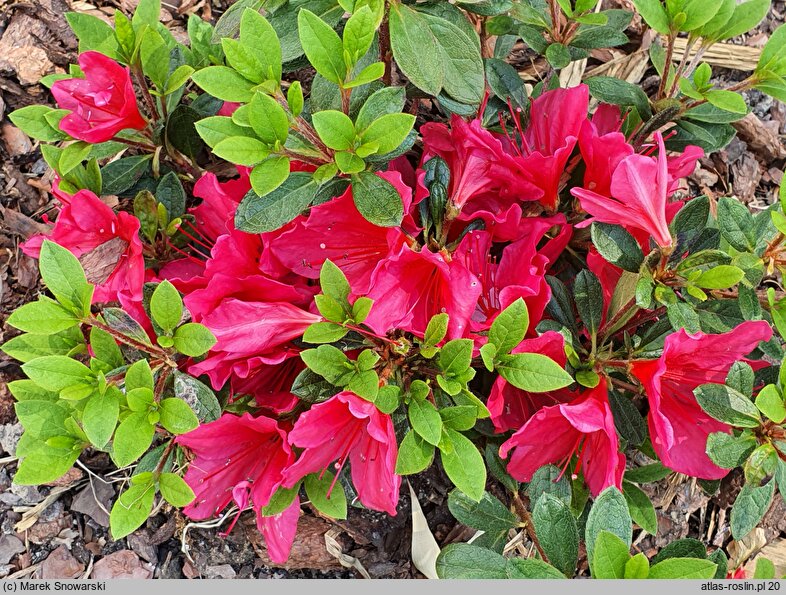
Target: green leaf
[736, 224]
[154, 55]
[44, 465]
[132, 438]
[56, 372]
[262, 214]
[295, 98]
[28, 346]
[330, 363]
[322, 46]
[728, 451]
[147, 12]
[359, 32]
[171, 194]
[765, 569]
[415, 49]
[637, 567]
[720, 277]
[257, 34]
[462, 64]
[770, 402]
[177, 416]
[641, 509]
[175, 490]
[139, 375]
[193, 339]
[224, 83]
[620, 92]
[654, 15]
[531, 568]
[197, 396]
[349, 163]
[388, 131]
[131, 509]
[270, 174]
[327, 495]
[280, 501]
[414, 454]
[73, 155]
[324, 332]
[617, 246]
[509, 327]
[335, 129]
[727, 100]
[370, 73]
[588, 295]
[505, 82]
[550, 480]
[749, 508]
[627, 419]
[121, 174]
[241, 150]
[533, 372]
[166, 306]
[611, 556]
[63, 275]
[465, 561]
[647, 473]
[377, 199]
[388, 100]
[43, 317]
[683, 568]
[268, 119]
[99, 417]
[93, 34]
[558, 55]
[488, 515]
[557, 532]
[464, 465]
[727, 405]
[608, 513]
[178, 78]
[217, 128]
[425, 420]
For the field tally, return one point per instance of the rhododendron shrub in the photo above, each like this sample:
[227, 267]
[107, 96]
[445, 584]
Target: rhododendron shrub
[409, 262]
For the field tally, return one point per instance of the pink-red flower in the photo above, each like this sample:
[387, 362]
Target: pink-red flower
[335, 230]
[241, 459]
[346, 427]
[678, 425]
[639, 192]
[106, 243]
[102, 104]
[583, 427]
[555, 119]
[410, 287]
[250, 334]
[511, 407]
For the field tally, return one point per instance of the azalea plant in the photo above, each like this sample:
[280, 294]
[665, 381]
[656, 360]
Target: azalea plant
[409, 262]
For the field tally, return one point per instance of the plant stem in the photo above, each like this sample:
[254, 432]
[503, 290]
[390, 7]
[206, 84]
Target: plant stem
[151, 349]
[385, 53]
[681, 66]
[666, 66]
[151, 104]
[136, 144]
[164, 456]
[525, 516]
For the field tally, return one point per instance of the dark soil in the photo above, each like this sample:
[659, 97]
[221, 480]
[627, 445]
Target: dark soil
[57, 531]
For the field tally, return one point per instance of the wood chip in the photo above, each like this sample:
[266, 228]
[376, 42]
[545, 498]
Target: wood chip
[122, 564]
[761, 138]
[60, 564]
[724, 55]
